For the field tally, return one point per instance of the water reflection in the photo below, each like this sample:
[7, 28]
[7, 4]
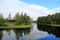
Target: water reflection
[8, 35]
[35, 34]
[0, 34]
[49, 37]
[51, 30]
[22, 34]
[13, 34]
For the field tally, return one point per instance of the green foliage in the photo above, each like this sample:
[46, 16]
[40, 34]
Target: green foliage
[35, 21]
[22, 19]
[2, 20]
[17, 18]
[8, 18]
[27, 19]
[42, 20]
[50, 19]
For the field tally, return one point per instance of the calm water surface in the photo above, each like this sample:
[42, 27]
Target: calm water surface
[26, 34]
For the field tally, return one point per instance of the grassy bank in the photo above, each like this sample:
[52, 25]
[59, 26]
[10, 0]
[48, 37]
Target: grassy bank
[17, 26]
[53, 25]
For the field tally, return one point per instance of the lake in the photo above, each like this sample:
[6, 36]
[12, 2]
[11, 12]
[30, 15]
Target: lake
[32, 33]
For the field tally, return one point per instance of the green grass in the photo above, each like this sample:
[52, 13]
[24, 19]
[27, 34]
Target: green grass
[53, 25]
[16, 26]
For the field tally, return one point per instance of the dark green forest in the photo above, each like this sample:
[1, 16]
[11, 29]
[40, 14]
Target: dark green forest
[49, 19]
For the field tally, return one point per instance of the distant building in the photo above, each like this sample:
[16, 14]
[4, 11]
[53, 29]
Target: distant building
[11, 20]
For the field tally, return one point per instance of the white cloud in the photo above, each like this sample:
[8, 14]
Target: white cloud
[14, 6]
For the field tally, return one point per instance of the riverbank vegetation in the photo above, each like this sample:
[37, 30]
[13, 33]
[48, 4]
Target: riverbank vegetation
[53, 19]
[19, 21]
[50, 23]
[17, 26]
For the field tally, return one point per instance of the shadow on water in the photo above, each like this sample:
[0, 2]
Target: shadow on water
[13, 34]
[50, 29]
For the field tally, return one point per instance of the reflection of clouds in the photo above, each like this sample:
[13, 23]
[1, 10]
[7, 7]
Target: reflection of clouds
[5, 36]
[24, 34]
[8, 36]
[35, 34]
[12, 35]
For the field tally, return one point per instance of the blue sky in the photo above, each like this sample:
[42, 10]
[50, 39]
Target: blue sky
[46, 3]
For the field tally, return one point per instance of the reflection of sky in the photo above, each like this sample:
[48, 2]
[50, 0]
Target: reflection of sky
[49, 37]
[39, 35]
[35, 33]
[8, 35]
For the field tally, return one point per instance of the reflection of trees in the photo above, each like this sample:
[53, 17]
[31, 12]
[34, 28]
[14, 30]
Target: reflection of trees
[18, 33]
[8, 31]
[0, 34]
[54, 30]
[21, 32]
[8, 34]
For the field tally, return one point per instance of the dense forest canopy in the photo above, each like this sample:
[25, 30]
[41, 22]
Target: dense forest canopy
[49, 19]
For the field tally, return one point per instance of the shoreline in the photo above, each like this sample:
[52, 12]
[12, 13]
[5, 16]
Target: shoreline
[16, 26]
[53, 25]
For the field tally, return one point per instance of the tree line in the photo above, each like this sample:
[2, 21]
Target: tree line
[49, 19]
[22, 19]
[18, 19]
